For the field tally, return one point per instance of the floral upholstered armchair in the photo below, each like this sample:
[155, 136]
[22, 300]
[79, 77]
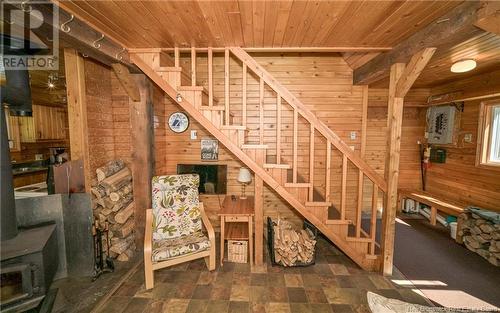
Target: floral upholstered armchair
[174, 231]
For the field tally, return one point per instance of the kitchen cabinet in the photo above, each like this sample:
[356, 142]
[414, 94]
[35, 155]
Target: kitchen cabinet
[47, 123]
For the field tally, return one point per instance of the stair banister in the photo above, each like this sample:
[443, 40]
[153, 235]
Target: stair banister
[226, 86]
[309, 116]
[210, 78]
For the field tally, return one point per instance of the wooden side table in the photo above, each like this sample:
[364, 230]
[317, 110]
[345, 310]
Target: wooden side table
[238, 215]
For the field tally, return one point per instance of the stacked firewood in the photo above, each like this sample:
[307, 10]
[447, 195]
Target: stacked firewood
[480, 235]
[292, 246]
[113, 208]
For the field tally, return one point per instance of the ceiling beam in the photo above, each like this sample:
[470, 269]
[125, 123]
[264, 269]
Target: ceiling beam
[451, 29]
[273, 49]
[488, 17]
[80, 35]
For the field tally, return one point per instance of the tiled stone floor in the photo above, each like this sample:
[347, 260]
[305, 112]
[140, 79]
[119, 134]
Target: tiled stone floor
[333, 284]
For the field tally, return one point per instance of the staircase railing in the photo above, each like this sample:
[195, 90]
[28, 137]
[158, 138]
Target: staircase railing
[316, 128]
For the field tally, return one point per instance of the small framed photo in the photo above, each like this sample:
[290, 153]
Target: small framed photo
[209, 150]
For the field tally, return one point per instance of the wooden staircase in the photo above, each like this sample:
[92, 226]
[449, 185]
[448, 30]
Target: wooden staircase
[217, 119]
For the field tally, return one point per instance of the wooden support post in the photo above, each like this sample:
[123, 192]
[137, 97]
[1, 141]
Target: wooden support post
[210, 78]
[311, 163]
[328, 169]
[141, 121]
[344, 188]
[278, 128]
[259, 210]
[261, 111]
[295, 143]
[176, 57]
[373, 220]
[364, 117]
[395, 117]
[77, 111]
[193, 66]
[244, 95]
[226, 86]
[400, 81]
[433, 216]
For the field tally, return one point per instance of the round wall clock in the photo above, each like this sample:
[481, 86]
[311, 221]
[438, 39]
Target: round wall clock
[178, 122]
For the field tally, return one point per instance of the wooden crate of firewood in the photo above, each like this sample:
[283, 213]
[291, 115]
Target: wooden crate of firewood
[288, 246]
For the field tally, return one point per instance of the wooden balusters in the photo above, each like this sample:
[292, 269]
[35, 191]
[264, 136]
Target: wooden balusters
[244, 95]
[278, 128]
[359, 207]
[344, 187]
[226, 86]
[328, 169]
[311, 163]
[373, 221]
[193, 66]
[176, 57]
[210, 78]
[295, 143]
[261, 111]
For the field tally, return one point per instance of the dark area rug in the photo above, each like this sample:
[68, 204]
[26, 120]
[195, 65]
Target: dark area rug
[427, 253]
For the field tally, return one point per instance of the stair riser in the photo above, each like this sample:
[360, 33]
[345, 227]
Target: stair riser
[300, 193]
[278, 174]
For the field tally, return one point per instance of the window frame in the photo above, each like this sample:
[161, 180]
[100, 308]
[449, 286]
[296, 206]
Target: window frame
[484, 135]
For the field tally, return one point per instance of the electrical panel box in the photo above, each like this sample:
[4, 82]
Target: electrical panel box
[441, 124]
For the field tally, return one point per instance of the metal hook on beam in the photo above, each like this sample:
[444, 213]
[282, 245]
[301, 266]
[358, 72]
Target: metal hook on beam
[64, 26]
[26, 7]
[119, 55]
[96, 43]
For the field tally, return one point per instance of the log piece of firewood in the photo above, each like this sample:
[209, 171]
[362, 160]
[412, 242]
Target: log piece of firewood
[123, 215]
[123, 203]
[120, 245]
[126, 229]
[120, 193]
[109, 169]
[117, 180]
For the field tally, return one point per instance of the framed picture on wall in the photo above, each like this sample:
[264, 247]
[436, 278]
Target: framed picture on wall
[209, 150]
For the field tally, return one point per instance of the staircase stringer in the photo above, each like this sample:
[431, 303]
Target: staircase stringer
[359, 258]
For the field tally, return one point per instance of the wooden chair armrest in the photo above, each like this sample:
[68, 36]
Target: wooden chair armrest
[148, 236]
[206, 223]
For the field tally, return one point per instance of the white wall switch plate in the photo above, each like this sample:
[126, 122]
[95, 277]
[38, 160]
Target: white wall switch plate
[194, 134]
[468, 137]
[352, 148]
[353, 135]
[38, 157]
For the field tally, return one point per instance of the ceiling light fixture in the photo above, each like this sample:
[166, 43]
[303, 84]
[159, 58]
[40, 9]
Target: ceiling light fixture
[463, 66]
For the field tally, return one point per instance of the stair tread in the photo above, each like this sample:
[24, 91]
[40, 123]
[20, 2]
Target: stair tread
[212, 108]
[253, 146]
[356, 239]
[238, 127]
[168, 69]
[282, 166]
[190, 88]
[318, 203]
[299, 185]
[338, 222]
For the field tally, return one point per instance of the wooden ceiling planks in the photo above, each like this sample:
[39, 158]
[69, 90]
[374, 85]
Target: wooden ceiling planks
[258, 23]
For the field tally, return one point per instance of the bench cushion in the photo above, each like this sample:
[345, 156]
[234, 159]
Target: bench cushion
[169, 248]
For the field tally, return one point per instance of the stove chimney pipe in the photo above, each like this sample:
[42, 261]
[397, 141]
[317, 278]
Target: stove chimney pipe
[8, 229]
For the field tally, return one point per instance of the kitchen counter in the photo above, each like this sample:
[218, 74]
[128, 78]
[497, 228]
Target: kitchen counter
[28, 170]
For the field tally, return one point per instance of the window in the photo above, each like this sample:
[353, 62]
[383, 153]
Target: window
[489, 134]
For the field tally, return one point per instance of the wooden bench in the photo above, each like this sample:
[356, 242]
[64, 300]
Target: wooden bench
[436, 203]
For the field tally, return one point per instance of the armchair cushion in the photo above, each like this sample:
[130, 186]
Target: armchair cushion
[168, 248]
[176, 208]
